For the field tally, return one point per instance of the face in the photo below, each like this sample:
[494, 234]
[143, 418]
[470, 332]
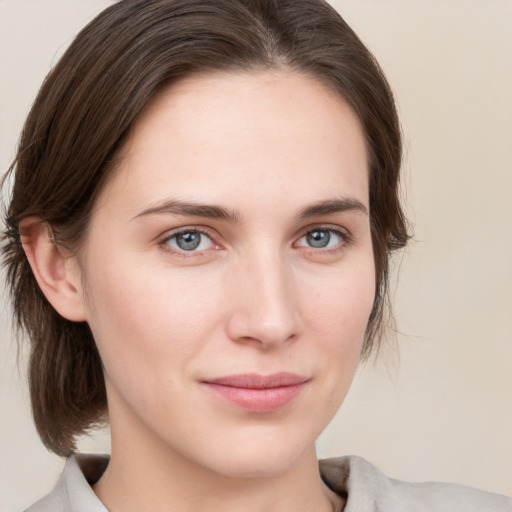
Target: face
[229, 271]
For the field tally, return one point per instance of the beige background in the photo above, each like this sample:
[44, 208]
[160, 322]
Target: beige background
[442, 409]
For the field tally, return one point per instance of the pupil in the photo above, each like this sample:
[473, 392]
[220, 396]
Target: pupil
[188, 241]
[318, 238]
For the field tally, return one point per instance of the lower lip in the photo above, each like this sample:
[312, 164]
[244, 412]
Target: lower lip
[257, 400]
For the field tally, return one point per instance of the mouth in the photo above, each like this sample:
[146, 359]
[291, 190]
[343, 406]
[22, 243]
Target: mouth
[258, 393]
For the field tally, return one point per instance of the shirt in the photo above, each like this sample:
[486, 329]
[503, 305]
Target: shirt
[365, 488]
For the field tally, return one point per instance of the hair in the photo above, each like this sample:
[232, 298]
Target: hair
[88, 104]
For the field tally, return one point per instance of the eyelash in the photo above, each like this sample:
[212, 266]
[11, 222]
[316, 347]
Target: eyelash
[164, 242]
[345, 239]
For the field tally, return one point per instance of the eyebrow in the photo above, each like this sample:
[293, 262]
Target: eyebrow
[331, 206]
[176, 207]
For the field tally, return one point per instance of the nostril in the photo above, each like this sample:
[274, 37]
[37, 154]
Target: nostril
[263, 304]
[264, 327]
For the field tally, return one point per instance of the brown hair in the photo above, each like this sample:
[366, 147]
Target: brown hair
[88, 104]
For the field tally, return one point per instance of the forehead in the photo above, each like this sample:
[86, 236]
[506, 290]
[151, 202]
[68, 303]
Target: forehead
[227, 133]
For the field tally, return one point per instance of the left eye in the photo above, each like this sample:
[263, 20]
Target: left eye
[189, 241]
[321, 239]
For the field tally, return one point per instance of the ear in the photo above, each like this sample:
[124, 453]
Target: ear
[57, 274]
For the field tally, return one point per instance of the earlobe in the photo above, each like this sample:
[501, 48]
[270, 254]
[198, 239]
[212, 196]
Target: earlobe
[57, 274]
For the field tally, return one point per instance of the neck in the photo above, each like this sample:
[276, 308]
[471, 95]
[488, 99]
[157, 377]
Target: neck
[145, 478]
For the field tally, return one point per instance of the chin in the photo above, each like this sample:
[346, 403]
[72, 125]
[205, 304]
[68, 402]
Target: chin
[261, 465]
[263, 456]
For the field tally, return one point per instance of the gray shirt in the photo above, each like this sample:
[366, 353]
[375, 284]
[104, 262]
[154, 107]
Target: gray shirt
[364, 486]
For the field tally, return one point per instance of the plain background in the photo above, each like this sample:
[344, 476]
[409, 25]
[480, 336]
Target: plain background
[441, 409]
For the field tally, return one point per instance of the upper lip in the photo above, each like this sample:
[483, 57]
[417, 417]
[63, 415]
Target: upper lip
[256, 381]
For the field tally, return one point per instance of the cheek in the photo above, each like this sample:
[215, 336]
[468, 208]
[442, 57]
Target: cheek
[143, 316]
[338, 314]
[149, 330]
[341, 302]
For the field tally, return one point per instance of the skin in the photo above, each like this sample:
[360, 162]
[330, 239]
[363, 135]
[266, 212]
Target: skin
[254, 297]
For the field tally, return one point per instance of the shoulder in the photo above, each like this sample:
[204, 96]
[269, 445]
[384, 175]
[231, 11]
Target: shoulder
[368, 490]
[73, 492]
[56, 501]
[53, 502]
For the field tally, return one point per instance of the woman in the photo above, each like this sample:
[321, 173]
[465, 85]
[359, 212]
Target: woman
[204, 204]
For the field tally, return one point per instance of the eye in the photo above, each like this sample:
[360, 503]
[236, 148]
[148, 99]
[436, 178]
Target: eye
[189, 240]
[322, 238]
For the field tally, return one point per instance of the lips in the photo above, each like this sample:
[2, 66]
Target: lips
[258, 393]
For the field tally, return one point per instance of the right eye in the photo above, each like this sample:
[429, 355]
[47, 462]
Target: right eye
[189, 240]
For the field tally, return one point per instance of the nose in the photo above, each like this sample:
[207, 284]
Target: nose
[264, 309]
